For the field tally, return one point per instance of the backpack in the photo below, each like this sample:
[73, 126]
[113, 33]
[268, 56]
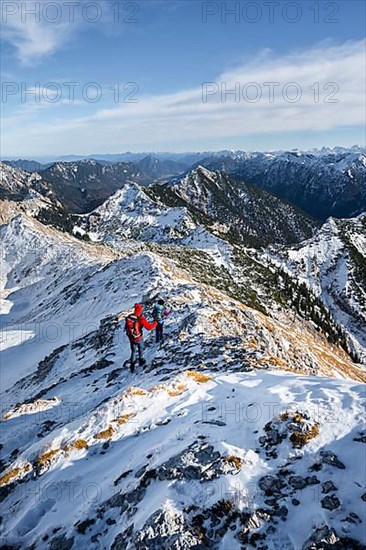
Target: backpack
[158, 312]
[133, 327]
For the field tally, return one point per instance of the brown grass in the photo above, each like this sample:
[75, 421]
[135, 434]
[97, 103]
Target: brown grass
[6, 478]
[252, 344]
[46, 457]
[77, 445]
[105, 434]
[158, 387]
[303, 434]
[134, 390]
[178, 389]
[298, 417]
[123, 418]
[9, 476]
[277, 362]
[198, 376]
[299, 439]
[235, 460]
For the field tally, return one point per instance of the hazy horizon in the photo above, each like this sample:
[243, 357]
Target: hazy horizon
[91, 156]
[158, 75]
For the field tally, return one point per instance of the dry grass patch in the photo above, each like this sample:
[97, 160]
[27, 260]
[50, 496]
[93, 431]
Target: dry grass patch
[298, 417]
[198, 376]
[47, 457]
[105, 434]
[277, 362]
[299, 439]
[123, 418]
[176, 390]
[304, 431]
[77, 445]
[134, 390]
[158, 387]
[234, 460]
[14, 473]
[7, 478]
[252, 341]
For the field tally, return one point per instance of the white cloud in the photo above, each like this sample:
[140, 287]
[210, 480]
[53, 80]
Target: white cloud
[167, 120]
[38, 28]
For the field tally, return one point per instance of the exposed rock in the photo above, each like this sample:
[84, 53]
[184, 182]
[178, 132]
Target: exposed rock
[82, 526]
[330, 502]
[325, 538]
[199, 461]
[316, 467]
[312, 480]
[328, 486]
[297, 482]
[353, 518]
[250, 521]
[328, 457]
[214, 422]
[281, 512]
[122, 539]
[164, 530]
[46, 365]
[271, 485]
[61, 543]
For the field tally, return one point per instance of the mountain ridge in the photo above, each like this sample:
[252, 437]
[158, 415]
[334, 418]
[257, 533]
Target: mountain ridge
[330, 183]
[163, 453]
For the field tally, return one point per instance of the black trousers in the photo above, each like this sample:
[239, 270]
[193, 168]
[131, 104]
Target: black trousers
[159, 332]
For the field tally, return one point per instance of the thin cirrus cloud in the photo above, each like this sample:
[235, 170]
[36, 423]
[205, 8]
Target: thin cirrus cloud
[167, 121]
[37, 29]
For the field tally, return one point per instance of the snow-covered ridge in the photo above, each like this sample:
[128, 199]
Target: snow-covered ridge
[328, 265]
[20, 183]
[245, 430]
[131, 214]
[251, 216]
[330, 182]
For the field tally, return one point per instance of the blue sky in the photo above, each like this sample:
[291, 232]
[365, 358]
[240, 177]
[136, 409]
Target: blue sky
[179, 56]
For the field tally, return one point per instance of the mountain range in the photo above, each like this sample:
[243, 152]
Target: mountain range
[322, 183]
[246, 428]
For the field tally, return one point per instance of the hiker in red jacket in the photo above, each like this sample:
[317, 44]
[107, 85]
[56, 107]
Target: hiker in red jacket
[134, 329]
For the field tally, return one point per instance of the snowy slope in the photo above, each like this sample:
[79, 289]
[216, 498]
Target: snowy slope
[181, 455]
[246, 214]
[85, 184]
[18, 185]
[204, 222]
[333, 265]
[131, 214]
[329, 182]
[187, 464]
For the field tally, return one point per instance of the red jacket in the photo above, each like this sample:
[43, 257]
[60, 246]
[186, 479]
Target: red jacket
[142, 322]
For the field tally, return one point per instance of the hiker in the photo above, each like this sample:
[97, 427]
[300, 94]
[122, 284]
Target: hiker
[133, 325]
[159, 314]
